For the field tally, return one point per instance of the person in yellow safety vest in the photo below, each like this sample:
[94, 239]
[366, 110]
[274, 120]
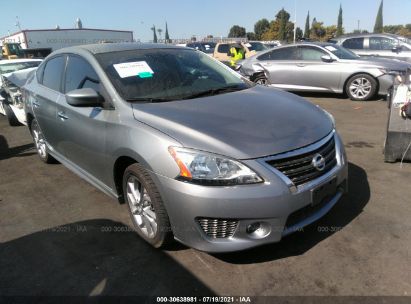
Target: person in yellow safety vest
[236, 53]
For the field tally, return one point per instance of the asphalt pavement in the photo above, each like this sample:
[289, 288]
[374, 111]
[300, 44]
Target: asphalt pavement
[61, 236]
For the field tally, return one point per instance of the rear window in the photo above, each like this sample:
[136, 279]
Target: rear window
[354, 43]
[288, 53]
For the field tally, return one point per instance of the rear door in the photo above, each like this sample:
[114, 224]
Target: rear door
[82, 136]
[45, 97]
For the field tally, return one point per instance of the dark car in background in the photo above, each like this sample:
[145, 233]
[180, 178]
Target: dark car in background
[377, 45]
[323, 67]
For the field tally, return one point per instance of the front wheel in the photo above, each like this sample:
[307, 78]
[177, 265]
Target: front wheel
[361, 87]
[146, 207]
[11, 117]
[262, 80]
[40, 143]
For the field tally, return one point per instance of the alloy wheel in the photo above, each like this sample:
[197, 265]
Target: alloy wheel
[360, 88]
[141, 207]
[39, 141]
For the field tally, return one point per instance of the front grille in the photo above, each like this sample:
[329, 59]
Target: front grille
[218, 228]
[300, 170]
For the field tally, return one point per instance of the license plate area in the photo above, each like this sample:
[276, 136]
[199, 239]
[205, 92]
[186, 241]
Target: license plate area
[324, 192]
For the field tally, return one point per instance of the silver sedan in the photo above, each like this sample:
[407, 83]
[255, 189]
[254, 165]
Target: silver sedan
[323, 67]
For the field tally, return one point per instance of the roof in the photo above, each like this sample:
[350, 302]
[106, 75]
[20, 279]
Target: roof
[8, 61]
[116, 47]
[367, 35]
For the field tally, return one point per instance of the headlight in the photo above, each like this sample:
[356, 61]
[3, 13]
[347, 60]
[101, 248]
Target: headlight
[212, 170]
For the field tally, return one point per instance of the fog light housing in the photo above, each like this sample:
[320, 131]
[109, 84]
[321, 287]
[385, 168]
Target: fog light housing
[258, 230]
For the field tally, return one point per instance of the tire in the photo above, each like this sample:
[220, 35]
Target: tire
[262, 80]
[40, 143]
[361, 87]
[149, 216]
[11, 117]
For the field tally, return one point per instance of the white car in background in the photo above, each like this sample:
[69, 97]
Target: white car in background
[13, 75]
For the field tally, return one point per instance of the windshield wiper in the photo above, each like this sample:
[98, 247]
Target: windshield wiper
[212, 92]
[149, 99]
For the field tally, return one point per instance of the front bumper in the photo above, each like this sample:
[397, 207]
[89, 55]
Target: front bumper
[385, 82]
[271, 203]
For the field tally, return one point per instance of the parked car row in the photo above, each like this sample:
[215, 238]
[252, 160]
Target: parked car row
[198, 153]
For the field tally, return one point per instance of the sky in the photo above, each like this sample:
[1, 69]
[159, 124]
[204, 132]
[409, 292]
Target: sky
[186, 18]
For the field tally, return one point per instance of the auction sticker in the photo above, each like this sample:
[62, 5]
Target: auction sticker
[330, 48]
[137, 68]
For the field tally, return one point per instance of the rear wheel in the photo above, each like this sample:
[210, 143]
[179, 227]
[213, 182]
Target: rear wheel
[40, 143]
[146, 207]
[11, 117]
[361, 87]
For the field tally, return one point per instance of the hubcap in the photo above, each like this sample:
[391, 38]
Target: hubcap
[39, 141]
[141, 207]
[360, 87]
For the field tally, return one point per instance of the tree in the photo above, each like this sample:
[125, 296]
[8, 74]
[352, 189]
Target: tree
[318, 31]
[307, 26]
[251, 36]
[260, 27]
[155, 34]
[330, 32]
[237, 31]
[378, 27]
[283, 17]
[340, 30]
[298, 34]
[280, 28]
[166, 35]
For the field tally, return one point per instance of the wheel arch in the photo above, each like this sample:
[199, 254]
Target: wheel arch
[359, 73]
[120, 166]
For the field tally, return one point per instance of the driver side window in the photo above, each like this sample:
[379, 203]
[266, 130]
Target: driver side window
[80, 74]
[309, 53]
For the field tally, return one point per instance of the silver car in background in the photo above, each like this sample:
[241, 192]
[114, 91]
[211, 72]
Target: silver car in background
[197, 152]
[323, 67]
[377, 45]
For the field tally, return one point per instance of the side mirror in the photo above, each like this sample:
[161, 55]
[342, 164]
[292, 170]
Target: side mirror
[84, 98]
[327, 58]
[397, 49]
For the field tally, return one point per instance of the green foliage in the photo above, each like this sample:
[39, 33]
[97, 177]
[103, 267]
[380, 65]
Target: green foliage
[283, 18]
[237, 31]
[378, 27]
[260, 27]
[280, 28]
[155, 34]
[307, 26]
[167, 36]
[340, 30]
[251, 36]
[298, 34]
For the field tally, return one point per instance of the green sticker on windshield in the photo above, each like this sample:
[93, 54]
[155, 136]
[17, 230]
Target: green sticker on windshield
[145, 75]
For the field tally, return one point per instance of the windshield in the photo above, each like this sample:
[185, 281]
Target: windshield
[167, 74]
[17, 66]
[256, 46]
[341, 52]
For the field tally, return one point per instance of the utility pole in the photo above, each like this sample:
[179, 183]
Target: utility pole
[358, 25]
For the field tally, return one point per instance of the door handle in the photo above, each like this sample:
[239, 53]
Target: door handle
[301, 65]
[36, 104]
[62, 115]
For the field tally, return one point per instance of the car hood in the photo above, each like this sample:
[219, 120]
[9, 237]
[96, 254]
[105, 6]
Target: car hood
[389, 64]
[247, 124]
